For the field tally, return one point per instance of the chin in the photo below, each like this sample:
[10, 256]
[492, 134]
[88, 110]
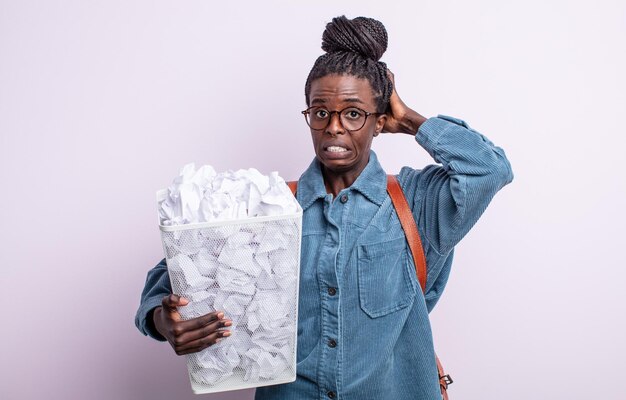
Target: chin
[338, 166]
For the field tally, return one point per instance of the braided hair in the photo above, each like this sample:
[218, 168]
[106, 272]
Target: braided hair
[353, 47]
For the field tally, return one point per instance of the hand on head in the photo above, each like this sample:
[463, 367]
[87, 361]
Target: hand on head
[400, 118]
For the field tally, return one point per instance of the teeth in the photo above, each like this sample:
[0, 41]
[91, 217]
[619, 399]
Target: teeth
[336, 149]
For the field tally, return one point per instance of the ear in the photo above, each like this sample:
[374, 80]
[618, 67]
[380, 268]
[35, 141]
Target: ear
[380, 124]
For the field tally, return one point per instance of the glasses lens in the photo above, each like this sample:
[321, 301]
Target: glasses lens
[353, 119]
[317, 118]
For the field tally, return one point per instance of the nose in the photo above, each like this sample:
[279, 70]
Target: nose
[334, 124]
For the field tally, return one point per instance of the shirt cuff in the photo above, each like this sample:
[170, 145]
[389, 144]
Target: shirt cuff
[142, 318]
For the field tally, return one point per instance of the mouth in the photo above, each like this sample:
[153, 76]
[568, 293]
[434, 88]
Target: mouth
[336, 149]
[336, 152]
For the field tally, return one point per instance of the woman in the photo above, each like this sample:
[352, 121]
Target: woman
[363, 328]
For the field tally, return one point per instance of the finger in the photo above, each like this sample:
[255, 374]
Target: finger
[201, 344]
[201, 322]
[192, 335]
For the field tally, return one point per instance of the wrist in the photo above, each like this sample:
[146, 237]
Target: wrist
[411, 122]
[152, 320]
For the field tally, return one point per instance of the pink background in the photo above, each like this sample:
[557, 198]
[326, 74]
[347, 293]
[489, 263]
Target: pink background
[102, 102]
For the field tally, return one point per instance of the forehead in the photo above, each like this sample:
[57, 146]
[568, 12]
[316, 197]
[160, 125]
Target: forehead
[341, 89]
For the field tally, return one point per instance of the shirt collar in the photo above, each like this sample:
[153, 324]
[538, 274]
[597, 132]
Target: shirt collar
[372, 183]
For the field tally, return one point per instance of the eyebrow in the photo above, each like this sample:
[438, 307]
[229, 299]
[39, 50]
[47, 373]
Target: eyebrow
[353, 100]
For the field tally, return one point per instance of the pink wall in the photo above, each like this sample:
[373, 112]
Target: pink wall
[102, 102]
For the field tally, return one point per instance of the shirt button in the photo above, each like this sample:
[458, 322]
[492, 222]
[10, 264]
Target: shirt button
[332, 291]
[331, 394]
[332, 344]
[344, 198]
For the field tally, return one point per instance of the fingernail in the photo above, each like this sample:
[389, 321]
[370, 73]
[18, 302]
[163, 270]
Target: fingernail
[228, 323]
[218, 340]
[226, 334]
[220, 315]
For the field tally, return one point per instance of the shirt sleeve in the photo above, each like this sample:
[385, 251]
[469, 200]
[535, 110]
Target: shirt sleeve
[157, 286]
[448, 199]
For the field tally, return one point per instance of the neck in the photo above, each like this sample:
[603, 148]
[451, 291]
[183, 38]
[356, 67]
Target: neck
[335, 181]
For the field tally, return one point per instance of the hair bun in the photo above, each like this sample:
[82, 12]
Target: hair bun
[365, 36]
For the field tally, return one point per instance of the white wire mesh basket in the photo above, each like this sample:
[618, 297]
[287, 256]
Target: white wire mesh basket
[249, 269]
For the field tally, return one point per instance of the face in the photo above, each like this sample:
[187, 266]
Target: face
[338, 150]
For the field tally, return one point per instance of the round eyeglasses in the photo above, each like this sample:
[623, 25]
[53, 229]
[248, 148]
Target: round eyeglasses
[351, 118]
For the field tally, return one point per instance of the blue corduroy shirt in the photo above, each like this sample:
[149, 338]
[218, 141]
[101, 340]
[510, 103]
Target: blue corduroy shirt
[363, 327]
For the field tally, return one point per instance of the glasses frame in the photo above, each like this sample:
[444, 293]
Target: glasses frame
[308, 111]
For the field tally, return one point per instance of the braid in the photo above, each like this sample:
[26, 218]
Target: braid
[354, 47]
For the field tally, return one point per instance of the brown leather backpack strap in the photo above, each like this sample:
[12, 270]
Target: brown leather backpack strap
[293, 185]
[410, 228]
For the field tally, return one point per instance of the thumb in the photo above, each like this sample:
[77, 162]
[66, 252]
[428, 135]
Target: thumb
[172, 301]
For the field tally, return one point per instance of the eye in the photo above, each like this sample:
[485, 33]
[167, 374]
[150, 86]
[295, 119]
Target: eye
[353, 113]
[321, 114]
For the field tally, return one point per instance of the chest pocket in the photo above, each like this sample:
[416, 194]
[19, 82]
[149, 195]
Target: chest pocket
[384, 278]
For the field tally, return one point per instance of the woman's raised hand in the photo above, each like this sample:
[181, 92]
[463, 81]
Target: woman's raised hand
[192, 335]
[400, 118]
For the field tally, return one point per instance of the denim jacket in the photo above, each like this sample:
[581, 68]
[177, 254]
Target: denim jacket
[363, 327]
